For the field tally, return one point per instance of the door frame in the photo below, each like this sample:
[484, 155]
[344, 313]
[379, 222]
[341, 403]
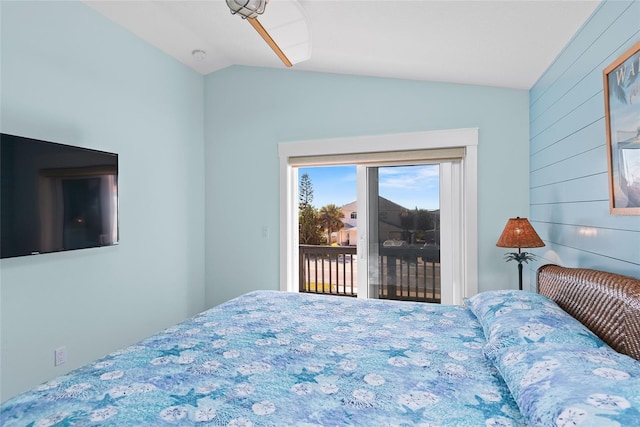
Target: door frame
[465, 284]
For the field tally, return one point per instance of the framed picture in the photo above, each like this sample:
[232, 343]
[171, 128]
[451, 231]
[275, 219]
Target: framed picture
[622, 117]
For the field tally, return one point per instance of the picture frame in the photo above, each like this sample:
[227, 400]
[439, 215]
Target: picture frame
[622, 119]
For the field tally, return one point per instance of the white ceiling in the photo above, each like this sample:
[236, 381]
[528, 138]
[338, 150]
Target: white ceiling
[507, 43]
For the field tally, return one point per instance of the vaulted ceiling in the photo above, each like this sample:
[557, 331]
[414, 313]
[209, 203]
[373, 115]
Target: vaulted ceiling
[507, 43]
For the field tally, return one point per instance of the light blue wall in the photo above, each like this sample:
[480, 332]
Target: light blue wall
[568, 160]
[69, 75]
[250, 110]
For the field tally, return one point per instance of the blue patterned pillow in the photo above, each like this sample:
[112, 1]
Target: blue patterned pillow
[569, 385]
[511, 318]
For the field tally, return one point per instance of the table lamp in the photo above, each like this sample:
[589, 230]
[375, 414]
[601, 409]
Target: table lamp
[518, 233]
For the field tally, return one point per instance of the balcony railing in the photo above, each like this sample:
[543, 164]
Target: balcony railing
[328, 270]
[410, 273]
[405, 273]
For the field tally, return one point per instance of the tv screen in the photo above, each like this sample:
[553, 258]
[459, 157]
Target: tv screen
[55, 197]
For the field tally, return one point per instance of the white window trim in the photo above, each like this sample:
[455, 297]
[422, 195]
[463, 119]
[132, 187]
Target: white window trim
[467, 138]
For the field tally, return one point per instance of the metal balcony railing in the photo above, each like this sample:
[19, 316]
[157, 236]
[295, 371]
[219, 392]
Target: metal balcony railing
[405, 272]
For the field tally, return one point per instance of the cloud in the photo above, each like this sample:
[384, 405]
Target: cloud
[349, 177]
[409, 177]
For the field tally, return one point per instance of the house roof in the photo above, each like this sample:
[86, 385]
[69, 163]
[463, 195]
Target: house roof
[383, 204]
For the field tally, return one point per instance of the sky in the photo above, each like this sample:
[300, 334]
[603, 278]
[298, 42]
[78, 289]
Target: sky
[408, 186]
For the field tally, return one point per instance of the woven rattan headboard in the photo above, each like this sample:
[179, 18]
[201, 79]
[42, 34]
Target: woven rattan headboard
[606, 303]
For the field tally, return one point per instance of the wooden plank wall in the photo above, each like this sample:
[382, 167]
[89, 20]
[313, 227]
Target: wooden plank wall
[569, 193]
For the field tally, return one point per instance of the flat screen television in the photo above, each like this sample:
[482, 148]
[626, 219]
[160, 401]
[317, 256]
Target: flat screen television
[55, 197]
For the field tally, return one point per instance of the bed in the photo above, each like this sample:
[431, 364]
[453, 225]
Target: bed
[505, 358]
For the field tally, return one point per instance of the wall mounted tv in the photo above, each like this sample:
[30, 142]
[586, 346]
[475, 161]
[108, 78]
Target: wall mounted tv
[55, 197]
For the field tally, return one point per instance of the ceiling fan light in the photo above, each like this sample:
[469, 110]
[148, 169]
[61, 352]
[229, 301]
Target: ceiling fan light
[247, 8]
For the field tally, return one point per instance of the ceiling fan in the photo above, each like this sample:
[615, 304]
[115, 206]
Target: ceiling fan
[286, 23]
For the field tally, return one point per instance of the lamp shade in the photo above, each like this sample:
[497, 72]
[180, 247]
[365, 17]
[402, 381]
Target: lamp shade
[518, 233]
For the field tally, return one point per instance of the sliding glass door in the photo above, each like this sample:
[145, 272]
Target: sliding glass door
[412, 229]
[403, 231]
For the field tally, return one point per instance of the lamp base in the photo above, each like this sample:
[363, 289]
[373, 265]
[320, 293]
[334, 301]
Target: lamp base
[520, 275]
[520, 257]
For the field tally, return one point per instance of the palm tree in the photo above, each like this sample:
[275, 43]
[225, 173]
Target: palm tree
[330, 217]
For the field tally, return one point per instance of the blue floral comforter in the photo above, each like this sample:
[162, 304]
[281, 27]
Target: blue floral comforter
[284, 359]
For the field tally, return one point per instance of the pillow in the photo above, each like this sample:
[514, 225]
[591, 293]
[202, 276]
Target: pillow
[511, 318]
[571, 385]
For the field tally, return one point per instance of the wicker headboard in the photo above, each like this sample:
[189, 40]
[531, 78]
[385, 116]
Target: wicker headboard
[606, 303]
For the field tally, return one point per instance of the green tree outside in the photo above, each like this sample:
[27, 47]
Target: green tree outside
[309, 231]
[330, 217]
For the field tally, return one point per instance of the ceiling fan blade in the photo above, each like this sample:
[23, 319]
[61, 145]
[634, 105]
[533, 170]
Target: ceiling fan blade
[265, 35]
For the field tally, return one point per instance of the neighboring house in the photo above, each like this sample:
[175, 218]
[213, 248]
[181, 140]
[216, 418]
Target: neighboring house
[390, 222]
[348, 234]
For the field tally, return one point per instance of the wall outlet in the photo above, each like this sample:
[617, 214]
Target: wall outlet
[59, 356]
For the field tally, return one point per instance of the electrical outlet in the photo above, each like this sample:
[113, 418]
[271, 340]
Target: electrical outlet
[59, 356]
